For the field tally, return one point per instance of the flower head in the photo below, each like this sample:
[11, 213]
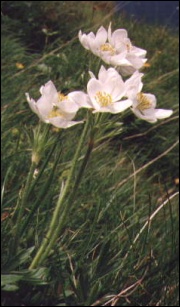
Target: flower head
[143, 104]
[56, 108]
[115, 49]
[106, 92]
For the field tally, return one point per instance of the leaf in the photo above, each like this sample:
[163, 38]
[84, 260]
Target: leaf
[36, 277]
[9, 282]
[10, 288]
[9, 279]
[24, 256]
[21, 258]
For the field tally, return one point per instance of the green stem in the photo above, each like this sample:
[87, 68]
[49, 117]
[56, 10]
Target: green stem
[62, 218]
[21, 207]
[43, 192]
[83, 166]
[42, 252]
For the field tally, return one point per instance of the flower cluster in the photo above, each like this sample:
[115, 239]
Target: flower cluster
[56, 108]
[114, 49]
[108, 92]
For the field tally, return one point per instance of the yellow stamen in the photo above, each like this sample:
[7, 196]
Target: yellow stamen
[143, 102]
[108, 47]
[62, 97]
[128, 47]
[103, 99]
[55, 112]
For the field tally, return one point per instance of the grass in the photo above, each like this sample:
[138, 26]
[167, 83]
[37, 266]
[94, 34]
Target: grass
[119, 246]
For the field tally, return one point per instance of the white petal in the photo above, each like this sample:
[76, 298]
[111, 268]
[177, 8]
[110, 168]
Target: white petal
[118, 36]
[119, 59]
[138, 51]
[34, 108]
[44, 106]
[114, 85]
[126, 70]
[151, 98]
[112, 72]
[151, 118]
[80, 34]
[32, 104]
[135, 61]
[162, 113]
[116, 107]
[68, 106]
[106, 76]
[120, 106]
[118, 90]
[134, 85]
[101, 36]
[84, 40]
[48, 89]
[90, 42]
[102, 75]
[63, 123]
[106, 57]
[109, 33]
[49, 96]
[81, 99]
[93, 87]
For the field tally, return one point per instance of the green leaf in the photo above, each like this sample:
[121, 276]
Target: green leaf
[10, 288]
[21, 258]
[9, 282]
[37, 277]
[9, 279]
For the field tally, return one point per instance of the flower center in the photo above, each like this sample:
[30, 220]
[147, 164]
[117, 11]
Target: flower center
[108, 47]
[62, 97]
[103, 99]
[143, 102]
[55, 112]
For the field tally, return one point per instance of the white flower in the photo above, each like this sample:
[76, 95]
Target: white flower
[115, 49]
[143, 104]
[56, 108]
[105, 93]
